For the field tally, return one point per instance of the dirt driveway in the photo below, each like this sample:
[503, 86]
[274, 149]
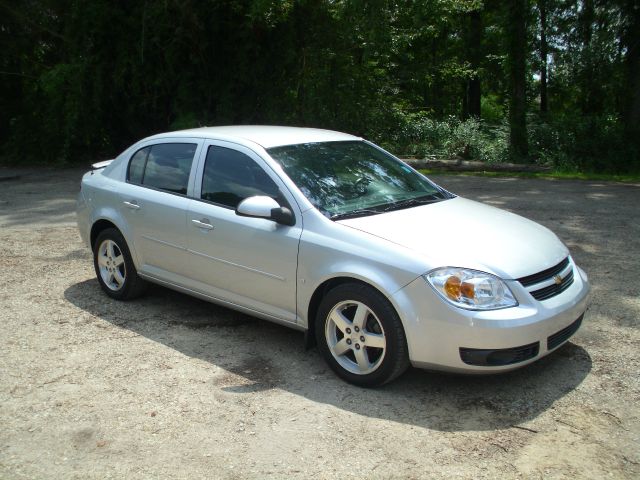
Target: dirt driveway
[172, 387]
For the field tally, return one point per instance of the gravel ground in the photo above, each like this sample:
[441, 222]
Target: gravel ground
[168, 386]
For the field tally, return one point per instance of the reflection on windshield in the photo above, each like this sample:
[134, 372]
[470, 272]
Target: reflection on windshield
[353, 178]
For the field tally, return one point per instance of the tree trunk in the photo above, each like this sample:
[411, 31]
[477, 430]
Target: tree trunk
[475, 56]
[465, 100]
[631, 112]
[516, 29]
[588, 87]
[544, 48]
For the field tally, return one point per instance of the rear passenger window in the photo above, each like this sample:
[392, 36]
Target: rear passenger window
[231, 176]
[165, 166]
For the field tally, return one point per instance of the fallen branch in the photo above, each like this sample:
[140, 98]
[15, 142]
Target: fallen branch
[567, 424]
[525, 429]
[53, 380]
[473, 166]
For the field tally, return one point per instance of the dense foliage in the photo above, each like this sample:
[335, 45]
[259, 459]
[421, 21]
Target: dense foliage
[548, 81]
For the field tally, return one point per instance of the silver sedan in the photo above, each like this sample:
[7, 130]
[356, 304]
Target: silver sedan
[329, 234]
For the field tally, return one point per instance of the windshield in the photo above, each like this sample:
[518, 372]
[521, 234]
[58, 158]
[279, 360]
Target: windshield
[354, 178]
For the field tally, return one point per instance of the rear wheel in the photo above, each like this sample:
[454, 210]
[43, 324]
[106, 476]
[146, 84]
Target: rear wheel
[360, 335]
[114, 267]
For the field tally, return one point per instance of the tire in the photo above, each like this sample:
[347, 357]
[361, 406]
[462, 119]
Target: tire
[361, 336]
[114, 266]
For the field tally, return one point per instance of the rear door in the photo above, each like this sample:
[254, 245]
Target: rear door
[154, 201]
[250, 262]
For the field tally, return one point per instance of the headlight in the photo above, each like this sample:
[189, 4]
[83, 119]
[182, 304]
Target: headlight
[471, 289]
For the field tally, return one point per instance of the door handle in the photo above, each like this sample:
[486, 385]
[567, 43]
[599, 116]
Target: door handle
[132, 205]
[204, 223]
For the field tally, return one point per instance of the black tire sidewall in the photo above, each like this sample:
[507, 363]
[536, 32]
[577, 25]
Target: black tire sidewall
[396, 357]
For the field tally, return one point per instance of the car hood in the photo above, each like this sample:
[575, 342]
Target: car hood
[464, 233]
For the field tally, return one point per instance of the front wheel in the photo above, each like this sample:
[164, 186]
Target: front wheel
[360, 335]
[114, 267]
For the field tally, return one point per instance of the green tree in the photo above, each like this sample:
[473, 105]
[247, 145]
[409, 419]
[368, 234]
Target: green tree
[516, 39]
[630, 40]
[81, 80]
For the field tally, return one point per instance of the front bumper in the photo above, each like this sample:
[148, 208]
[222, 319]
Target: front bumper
[443, 337]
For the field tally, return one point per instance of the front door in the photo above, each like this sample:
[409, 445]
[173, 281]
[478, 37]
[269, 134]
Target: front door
[250, 262]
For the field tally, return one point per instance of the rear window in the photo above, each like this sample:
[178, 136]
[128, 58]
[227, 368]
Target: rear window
[165, 166]
[136, 165]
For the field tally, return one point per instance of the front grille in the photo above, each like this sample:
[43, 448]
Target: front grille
[563, 335]
[499, 357]
[553, 290]
[544, 275]
[548, 274]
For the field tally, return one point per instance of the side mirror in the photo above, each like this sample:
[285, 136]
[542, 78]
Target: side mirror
[262, 206]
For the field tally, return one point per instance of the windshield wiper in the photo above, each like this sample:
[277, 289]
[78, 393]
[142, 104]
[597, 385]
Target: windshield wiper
[399, 205]
[413, 202]
[362, 212]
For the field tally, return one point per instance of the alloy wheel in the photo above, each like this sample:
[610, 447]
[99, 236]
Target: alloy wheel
[355, 337]
[111, 265]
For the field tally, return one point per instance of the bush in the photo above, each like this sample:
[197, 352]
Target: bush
[491, 108]
[571, 143]
[579, 143]
[419, 135]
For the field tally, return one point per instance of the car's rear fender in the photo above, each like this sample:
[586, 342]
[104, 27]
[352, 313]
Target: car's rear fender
[112, 216]
[102, 197]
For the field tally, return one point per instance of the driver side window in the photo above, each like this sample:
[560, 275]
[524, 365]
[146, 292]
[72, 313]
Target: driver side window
[231, 176]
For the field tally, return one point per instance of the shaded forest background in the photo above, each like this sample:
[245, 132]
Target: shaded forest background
[555, 82]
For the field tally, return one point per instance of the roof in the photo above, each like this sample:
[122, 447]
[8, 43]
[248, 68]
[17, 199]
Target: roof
[265, 136]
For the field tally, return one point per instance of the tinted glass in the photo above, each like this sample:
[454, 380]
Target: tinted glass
[136, 165]
[231, 176]
[341, 178]
[168, 166]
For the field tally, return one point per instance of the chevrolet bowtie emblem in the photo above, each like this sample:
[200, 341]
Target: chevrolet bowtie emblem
[557, 279]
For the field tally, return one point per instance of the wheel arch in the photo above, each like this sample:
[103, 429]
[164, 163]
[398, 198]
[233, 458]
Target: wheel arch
[108, 217]
[320, 291]
[98, 227]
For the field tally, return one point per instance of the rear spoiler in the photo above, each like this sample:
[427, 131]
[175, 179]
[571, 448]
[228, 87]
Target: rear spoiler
[99, 165]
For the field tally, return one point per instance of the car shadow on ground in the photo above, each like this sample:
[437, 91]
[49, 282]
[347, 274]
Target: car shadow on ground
[255, 356]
